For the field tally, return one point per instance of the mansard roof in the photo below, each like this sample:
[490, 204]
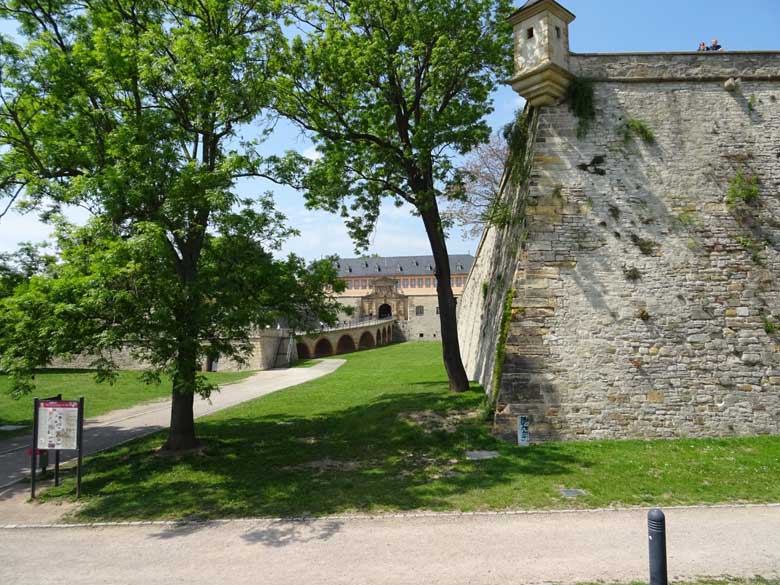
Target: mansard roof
[400, 265]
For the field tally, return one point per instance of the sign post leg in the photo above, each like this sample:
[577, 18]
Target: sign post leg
[34, 450]
[56, 468]
[80, 444]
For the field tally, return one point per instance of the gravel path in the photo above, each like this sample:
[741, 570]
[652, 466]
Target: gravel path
[445, 549]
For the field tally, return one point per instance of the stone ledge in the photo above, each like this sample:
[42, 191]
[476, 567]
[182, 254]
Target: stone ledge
[655, 67]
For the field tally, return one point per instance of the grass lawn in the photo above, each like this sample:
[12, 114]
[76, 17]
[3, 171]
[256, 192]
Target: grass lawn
[382, 433]
[127, 391]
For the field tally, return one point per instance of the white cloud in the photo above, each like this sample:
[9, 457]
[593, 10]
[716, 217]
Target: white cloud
[312, 153]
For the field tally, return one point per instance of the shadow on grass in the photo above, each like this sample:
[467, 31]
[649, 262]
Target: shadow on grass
[361, 459]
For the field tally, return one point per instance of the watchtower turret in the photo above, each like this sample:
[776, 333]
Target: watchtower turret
[541, 33]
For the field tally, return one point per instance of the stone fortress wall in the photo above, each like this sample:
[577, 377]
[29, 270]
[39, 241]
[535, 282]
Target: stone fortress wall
[645, 305]
[270, 348]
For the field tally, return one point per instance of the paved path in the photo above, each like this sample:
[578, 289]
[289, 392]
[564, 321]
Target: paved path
[119, 426]
[490, 549]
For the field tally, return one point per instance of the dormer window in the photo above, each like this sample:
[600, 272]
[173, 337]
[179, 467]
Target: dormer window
[530, 33]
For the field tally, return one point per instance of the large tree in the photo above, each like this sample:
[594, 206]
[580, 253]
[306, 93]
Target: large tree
[392, 91]
[133, 109]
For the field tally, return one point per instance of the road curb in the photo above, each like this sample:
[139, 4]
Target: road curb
[388, 516]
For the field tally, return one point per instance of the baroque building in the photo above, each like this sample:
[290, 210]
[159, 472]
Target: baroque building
[402, 287]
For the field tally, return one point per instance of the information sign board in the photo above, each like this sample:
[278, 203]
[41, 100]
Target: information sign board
[58, 424]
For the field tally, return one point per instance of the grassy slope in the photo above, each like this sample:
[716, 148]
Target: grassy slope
[275, 456]
[127, 391]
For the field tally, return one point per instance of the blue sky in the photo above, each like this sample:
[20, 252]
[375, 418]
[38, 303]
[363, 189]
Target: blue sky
[601, 26]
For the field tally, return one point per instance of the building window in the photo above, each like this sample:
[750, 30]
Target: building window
[364, 284]
[349, 284]
[530, 33]
[558, 32]
[413, 283]
[397, 284]
[427, 283]
[419, 310]
[437, 310]
[459, 281]
[422, 335]
[406, 283]
[419, 283]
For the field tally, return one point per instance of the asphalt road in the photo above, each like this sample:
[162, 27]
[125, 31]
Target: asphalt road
[432, 550]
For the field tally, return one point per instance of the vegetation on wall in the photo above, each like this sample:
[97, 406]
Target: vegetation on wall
[498, 366]
[502, 213]
[771, 326]
[580, 98]
[743, 188]
[647, 247]
[753, 247]
[634, 127]
[632, 274]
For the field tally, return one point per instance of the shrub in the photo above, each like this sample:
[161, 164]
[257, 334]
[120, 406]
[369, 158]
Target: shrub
[743, 189]
[635, 127]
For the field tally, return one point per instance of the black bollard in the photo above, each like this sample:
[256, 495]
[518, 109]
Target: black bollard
[656, 532]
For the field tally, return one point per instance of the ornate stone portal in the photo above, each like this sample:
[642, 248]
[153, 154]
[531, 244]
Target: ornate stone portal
[385, 301]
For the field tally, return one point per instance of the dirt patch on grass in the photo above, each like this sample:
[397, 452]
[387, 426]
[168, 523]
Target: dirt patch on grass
[328, 465]
[431, 421]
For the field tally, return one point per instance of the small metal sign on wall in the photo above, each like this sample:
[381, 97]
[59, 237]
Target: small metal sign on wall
[523, 432]
[58, 425]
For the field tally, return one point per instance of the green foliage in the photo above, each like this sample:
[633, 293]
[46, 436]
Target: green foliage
[742, 189]
[687, 218]
[137, 114]
[17, 268]
[413, 97]
[753, 247]
[647, 247]
[503, 332]
[632, 274]
[643, 314]
[580, 98]
[485, 290]
[634, 127]
[771, 326]
[516, 135]
[752, 103]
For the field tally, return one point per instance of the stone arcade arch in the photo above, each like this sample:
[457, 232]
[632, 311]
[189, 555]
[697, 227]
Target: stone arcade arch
[345, 344]
[303, 351]
[378, 337]
[323, 348]
[385, 311]
[366, 341]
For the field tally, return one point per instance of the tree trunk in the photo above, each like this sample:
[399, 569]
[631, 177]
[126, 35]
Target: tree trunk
[453, 363]
[181, 435]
